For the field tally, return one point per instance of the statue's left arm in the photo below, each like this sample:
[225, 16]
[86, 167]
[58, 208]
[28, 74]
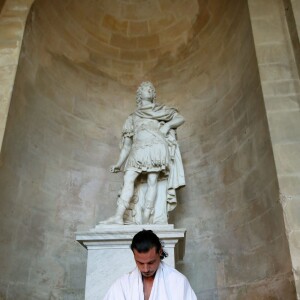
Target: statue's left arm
[175, 122]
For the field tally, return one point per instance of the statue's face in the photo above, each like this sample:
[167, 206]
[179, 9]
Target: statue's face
[147, 92]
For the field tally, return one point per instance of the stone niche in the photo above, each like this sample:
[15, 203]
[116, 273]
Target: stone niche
[79, 67]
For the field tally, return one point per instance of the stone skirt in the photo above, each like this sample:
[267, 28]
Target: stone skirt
[148, 156]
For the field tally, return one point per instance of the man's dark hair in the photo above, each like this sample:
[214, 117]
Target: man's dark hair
[145, 240]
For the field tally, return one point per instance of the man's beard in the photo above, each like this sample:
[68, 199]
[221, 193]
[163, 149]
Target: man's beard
[148, 274]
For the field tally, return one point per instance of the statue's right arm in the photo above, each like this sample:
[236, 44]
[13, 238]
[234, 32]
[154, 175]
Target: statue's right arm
[123, 155]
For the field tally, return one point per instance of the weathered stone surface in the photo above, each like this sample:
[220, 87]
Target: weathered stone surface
[80, 64]
[277, 56]
[287, 158]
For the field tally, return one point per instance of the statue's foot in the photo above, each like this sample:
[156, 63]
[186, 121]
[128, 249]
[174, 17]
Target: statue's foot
[113, 220]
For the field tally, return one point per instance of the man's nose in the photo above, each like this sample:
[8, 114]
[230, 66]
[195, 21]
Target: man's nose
[145, 268]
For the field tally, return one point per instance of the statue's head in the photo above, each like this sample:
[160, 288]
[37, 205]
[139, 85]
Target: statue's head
[145, 85]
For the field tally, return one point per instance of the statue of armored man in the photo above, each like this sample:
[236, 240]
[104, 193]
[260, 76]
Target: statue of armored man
[152, 162]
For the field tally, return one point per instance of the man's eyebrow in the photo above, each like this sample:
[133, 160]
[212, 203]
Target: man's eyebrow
[149, 262]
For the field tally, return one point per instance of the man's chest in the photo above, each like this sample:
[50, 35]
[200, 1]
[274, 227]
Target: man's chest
[147, 289]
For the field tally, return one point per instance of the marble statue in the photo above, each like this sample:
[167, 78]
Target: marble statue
[152, 162]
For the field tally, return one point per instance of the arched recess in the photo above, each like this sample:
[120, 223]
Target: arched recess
[79, 67]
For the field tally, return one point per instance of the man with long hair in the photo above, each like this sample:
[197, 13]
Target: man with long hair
[152, 279]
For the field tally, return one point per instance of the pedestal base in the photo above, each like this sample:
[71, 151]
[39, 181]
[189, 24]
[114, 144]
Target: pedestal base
[110, 256]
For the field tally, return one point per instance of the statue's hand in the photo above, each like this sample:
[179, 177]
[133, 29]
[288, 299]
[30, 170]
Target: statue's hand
[165, 129]
[115, 169]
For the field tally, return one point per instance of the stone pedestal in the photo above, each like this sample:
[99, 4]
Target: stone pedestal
[110, 256]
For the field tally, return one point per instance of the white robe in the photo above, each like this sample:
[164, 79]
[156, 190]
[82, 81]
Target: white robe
[169, 284]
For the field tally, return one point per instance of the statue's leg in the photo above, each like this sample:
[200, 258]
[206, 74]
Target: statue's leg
[128, 186]
[150, 195]
[124, 199]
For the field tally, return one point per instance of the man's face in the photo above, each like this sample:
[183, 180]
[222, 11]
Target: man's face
[147, 262]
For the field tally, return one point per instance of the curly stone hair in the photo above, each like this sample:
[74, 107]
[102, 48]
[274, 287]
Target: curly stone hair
[139, 91]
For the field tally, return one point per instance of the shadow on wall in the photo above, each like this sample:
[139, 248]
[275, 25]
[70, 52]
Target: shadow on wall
[1, 4]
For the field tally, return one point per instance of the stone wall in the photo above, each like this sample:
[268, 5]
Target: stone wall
[78, 71]
[1, 4]
[13, 14]
[277, 52]
[296, 13]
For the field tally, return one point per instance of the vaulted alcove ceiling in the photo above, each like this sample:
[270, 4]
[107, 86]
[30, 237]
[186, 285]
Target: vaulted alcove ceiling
[121, 39]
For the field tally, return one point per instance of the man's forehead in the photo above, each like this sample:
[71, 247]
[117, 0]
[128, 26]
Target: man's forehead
[145, 256]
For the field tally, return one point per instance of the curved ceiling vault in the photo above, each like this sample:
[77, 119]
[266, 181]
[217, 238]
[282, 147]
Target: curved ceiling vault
[121, 39]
